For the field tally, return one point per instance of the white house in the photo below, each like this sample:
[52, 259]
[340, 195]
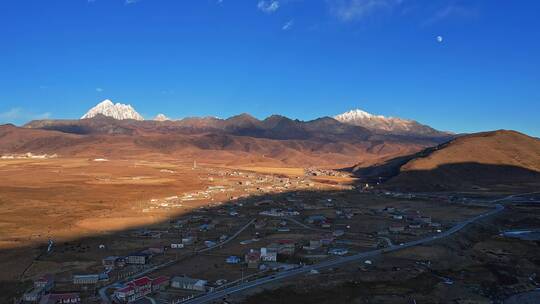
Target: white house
[188, 283]
[269, 254]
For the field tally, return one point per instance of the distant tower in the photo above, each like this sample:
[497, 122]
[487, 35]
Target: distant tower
[194, 164]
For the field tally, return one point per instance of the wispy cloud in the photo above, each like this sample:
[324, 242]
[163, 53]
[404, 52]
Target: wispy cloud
[167, 92]
[11, 114]
[449, 11]
[268, 6]
[353, 10]
[99, 90]
[15, 115]
[287, 26]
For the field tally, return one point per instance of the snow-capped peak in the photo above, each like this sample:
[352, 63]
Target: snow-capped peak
[385, 124]
[358, 114]
[117, 111]
[161, 117]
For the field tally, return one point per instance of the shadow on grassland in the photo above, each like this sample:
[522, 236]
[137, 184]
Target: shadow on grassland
[83, 255]
[76, 254]
[393, 174]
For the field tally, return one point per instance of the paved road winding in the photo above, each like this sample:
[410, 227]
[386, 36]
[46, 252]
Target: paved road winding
[218, 295]
[213, 296]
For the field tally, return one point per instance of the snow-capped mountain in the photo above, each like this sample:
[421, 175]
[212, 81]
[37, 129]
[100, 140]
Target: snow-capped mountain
[117, 111]
[161, 117]
[379, 123]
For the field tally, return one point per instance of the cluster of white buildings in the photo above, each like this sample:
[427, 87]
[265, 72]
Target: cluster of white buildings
[28, 155]
[279, 213]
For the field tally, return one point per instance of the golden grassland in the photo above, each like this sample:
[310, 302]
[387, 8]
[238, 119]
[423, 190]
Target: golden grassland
[66, 198]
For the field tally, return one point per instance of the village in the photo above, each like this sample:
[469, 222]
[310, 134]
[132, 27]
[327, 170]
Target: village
[251, 226]
[28, 155]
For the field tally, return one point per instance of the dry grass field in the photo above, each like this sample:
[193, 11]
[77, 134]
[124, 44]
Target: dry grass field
[67, 198]
[82, 203]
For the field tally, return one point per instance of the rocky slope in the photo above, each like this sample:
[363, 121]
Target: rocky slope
[392, 125]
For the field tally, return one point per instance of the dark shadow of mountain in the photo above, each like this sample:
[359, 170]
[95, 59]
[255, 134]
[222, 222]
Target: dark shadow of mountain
[84, 249]
[382, 172]
[465, 176]
[447, 177]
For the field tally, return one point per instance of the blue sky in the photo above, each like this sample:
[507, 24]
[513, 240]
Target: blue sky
[299, 58]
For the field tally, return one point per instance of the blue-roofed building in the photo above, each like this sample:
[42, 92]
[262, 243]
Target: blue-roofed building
[233, 260]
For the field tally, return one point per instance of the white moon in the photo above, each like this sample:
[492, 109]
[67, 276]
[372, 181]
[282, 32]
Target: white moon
[439, 39]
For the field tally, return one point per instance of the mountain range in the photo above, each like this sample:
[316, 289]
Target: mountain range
[116, 130]
[375, 123]
[404, 153]
[354, 126]
[382, 124]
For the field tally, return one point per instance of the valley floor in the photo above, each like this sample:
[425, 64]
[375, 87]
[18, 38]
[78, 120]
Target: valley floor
[94, 208]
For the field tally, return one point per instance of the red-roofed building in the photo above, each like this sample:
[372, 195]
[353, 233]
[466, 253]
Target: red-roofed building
[41, 286]
[253, 258]
[126, 294]
[141, 282]
[139, 288]
[143, 285]
[286, 241]
[160, 283]
[45, 281]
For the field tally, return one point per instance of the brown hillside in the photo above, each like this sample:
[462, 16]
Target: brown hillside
[145, 141]
[472, 161]
[241, 139]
